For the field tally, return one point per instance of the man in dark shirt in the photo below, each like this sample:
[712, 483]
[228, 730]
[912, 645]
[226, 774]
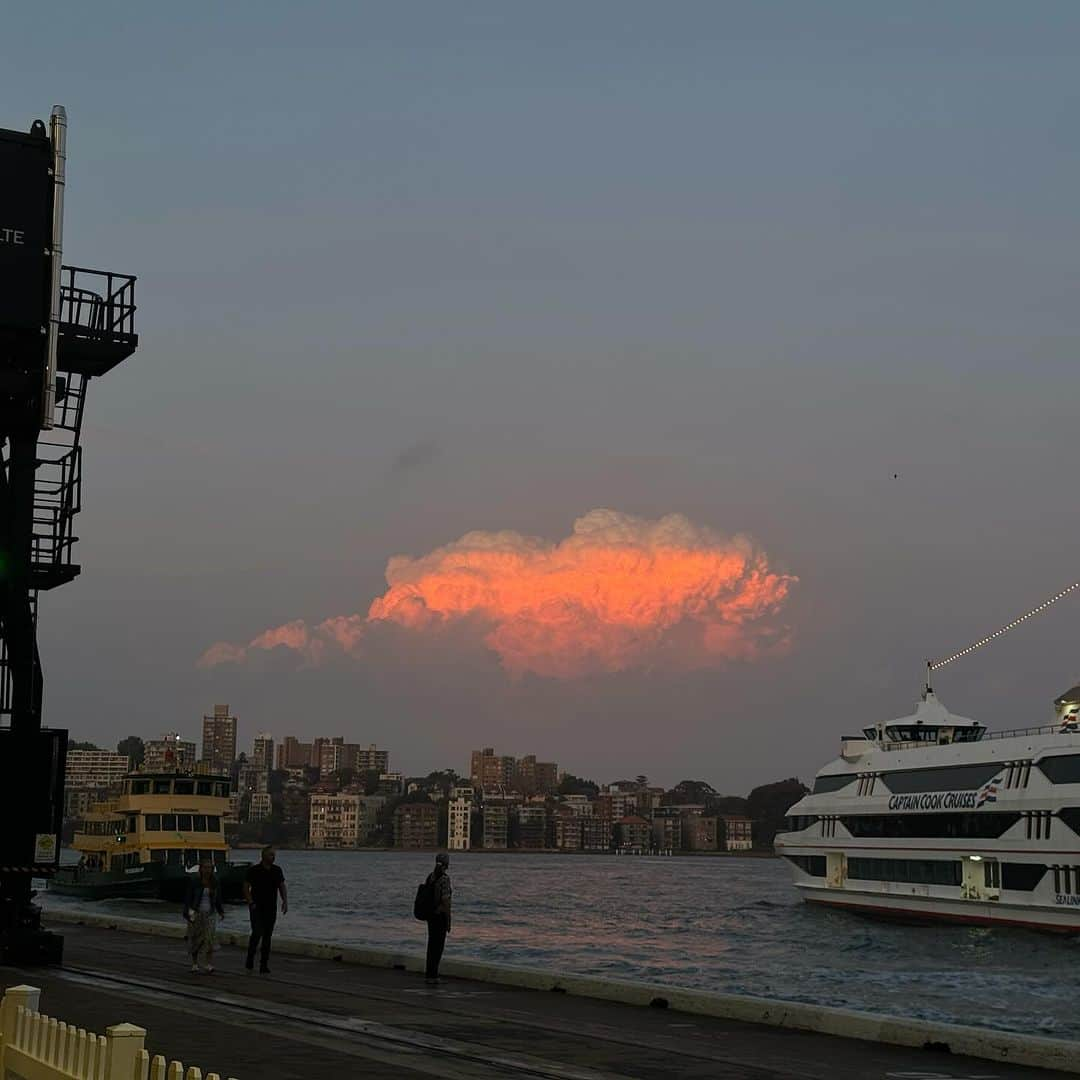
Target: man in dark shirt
[261, 887]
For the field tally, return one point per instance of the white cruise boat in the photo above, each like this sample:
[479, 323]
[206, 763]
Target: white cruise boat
[931, 817]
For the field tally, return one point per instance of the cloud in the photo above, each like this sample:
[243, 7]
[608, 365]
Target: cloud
[620, 593]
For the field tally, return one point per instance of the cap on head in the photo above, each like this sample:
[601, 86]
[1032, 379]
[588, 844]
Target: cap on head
[442, 859]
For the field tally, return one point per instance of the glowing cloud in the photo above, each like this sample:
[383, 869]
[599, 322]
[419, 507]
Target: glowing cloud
[620, 592]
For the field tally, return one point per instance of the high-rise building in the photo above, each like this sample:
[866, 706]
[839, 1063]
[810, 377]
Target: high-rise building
[263, 752]
[168, 752]
[532, 826]
[596, 833]
[568, 829]
[335, 821]
[252, 777]
[371, 759]
[94, 768]
[328, 755]
[259, 806]
[416, 825]
[219, 739]
[667, 829]
[488, 772]
[634, 833]
[459, 833]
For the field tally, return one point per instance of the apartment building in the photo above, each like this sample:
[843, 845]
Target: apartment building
[531, 831]
[496, 823]
[168, 753]
[219, 740]
[738, 832]
[460, 809]
[371, 759]
[335, 821]
[667, 830]
[293, 754]
[416, 825]
[259, 806]
[568, 829]
[263, 751]
[700, 833]
[634, 833]
[596, 833]
[95, 768]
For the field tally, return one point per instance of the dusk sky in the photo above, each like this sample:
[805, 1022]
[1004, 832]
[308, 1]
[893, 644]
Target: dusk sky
[779, 301]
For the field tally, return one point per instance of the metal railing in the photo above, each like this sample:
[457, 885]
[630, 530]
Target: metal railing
[97, 301]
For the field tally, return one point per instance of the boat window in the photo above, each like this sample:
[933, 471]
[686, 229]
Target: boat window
[814, 865]
[798, 822]
[204, 787]
[161, 787]
[1061, 768]
[221, 791]
[974, 825]
[1023, 877]
[184, 787]
[153, 823]
[174, 857]
[132, 823]
[916, 871]
[140, 787]
[956, 778]
[168, 823]
[157, 855]
[1071, 816]
[916, 733]
[183, 823]
[832, 783]
[213, 824]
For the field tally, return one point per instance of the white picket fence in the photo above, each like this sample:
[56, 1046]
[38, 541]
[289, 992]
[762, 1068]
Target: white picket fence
[38, 1047]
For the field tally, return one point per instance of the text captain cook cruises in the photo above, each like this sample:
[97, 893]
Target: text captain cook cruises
[930, 817]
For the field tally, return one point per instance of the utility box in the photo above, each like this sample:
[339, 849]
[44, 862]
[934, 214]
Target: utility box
[32, 794]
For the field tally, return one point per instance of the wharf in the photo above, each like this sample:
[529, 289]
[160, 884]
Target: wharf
[318, 1018]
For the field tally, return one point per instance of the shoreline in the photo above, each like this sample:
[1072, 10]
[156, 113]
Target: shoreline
[508, 851]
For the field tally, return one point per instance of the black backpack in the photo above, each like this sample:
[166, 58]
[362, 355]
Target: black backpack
[424, 904]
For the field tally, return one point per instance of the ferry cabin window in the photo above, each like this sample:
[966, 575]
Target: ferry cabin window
[798, 822]
[814, 865]
[158, 855]
[132, 823]
[221, 791]
[1023, 877]
[213, 824]
[153, 823]
[183, 823]
[956, 778]
[184, 787]
[174, 857]
[140, 787]
[168, 823]
[832, 783]
[913, 871]
[161, 787]
[1062, 768]
[198, 823]
[931, 826]
[204, 787]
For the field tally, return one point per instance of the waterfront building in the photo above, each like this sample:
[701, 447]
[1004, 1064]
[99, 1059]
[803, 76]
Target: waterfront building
[263, 752]
[295, 805]
[667, 830]
[416, 825]
[95, 768]
[335, 820]
[372, 808]
[580, 804]
[78, 800]
[634, 833]
[496, 822]
[615, 804]
[252, 777]
[459, 827]
[531, 831]
[168, 752]
[596, 833]
[738, 834]
[259, 806]
[371, 759]
[219, 739]
[568, 829]
[700, 833]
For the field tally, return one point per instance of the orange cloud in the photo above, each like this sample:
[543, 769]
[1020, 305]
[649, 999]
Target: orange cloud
[619, 593]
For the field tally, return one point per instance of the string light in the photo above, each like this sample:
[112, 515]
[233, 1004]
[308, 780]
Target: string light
[933, 665]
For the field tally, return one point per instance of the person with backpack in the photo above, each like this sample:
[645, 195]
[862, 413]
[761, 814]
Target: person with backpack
[433, 907]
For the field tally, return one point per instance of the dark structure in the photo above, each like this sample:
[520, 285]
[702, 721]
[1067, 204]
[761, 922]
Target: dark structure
[60, 326]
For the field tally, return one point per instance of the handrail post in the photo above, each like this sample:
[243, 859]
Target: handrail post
[124, 1043]
[29, 997]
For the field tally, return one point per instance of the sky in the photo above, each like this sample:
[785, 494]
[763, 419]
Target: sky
[776, 301]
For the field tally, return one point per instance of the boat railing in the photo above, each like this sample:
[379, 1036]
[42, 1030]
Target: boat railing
[1012, 733]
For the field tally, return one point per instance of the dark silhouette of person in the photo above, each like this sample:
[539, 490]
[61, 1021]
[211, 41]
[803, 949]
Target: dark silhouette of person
[438, 922]
[261, 887]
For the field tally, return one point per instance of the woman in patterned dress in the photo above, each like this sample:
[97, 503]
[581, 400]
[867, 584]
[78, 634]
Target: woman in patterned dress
[202, 910]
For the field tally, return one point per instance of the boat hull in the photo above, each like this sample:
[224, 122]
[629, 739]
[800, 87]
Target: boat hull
[144, 882]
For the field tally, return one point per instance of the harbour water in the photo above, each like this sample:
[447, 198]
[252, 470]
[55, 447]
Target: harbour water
[724, 924]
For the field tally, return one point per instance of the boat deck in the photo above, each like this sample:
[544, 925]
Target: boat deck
[320, 1018]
